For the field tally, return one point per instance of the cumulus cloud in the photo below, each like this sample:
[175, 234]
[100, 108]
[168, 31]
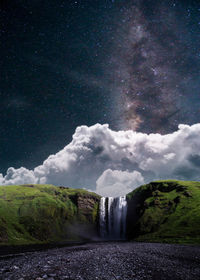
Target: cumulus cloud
[117, 182]
[98, 152]
[18, 176]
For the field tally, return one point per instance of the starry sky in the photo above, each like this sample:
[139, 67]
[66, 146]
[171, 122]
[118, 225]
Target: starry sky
[132, 64]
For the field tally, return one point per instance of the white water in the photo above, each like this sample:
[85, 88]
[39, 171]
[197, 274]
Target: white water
[102, 220]
[113, 217]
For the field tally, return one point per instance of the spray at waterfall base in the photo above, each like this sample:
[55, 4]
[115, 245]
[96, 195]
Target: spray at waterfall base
[112, 220]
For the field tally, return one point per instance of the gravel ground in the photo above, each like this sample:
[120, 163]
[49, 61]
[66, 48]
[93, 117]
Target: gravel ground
[105, 261]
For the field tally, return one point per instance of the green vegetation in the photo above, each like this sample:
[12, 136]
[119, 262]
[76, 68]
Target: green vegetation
[162, 211]
[34, 214]
[165, 211]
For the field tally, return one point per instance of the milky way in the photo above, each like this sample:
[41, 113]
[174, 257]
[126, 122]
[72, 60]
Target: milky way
[156, 65]
[133, 64]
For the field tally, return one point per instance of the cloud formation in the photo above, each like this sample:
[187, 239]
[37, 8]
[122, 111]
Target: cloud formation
[104, 160]
[117, 182]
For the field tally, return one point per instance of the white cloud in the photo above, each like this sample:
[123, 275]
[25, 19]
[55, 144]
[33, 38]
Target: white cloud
[18, 176]
[96, 149]
[117, 183]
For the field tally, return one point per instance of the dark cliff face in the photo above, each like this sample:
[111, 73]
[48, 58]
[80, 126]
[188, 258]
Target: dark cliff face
[31, 214]
[165, 211]
[88, 207]
[86, 222]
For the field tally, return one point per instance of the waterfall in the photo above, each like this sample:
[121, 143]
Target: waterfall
[112, 218]
[102, 220]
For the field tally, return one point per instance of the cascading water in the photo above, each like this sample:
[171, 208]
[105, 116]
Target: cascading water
[102, 219]
[112, 218]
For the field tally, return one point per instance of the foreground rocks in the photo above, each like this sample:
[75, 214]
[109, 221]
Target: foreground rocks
[105, 261]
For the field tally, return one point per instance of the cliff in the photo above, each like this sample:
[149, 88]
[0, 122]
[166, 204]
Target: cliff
[165, 211]
[162, 211]
[35, 214]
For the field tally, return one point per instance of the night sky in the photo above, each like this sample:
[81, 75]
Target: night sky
[131, 64]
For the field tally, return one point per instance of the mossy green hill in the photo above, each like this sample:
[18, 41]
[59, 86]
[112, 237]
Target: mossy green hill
[34, 214]
[165, 211]
[162, 211]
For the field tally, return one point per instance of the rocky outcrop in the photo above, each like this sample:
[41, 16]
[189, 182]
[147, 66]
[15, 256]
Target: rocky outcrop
[88, 206]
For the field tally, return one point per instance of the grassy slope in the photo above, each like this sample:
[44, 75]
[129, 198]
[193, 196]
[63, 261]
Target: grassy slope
[31, 214]
[165, 211]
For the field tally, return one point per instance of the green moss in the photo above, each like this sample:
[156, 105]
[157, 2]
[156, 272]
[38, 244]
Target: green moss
[165, 211]
[95, 212]
[32, 214]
